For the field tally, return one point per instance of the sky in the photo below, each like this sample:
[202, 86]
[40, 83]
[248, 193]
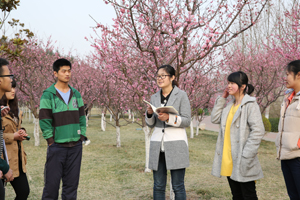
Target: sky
[66, 21]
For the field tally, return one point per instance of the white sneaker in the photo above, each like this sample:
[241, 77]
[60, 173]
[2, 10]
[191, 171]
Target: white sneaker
[87, 142]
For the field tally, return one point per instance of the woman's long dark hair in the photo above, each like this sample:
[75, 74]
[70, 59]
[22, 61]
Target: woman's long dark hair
[240, 78]
[13, 103]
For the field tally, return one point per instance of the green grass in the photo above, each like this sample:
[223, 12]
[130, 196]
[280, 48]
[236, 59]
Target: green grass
[108, 172]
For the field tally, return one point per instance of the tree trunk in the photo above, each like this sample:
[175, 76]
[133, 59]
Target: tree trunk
[36, 133]
[147, 146]
[267, 112]
[197, 128]
[132, 117]
[29, 114]
[25, 112]
[33, 121]
[118, 136]
[87, 120]
[129, 114]
[103, 123]
[110, 119]
[192, 129]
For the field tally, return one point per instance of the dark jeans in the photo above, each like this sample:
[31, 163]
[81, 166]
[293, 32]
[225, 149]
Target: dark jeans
[160, 181]
[21, 186]
[62, 163]
[291, 174]
[242, 190]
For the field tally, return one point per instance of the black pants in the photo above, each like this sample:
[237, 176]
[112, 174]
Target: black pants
[291, 173]
[2, 190]
[242, 190]
[62, 163]
[21, 186]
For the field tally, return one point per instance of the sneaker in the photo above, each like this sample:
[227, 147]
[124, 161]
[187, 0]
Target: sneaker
[87, 142]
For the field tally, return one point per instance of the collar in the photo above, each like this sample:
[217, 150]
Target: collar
[164, 100]
[290, 98]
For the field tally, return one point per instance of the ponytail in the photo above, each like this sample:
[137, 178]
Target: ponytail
[250, 89]
[174, 83]
[240, 78]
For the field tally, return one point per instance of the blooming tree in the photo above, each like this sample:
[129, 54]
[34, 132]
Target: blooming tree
[286, 41]
[264, 69]
[147, 34]
[184, 32]
[33, 73]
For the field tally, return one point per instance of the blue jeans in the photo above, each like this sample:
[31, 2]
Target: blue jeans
[160, 181]
[291, 174]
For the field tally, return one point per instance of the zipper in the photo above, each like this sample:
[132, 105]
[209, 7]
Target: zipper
[62, 99]
[163, 131]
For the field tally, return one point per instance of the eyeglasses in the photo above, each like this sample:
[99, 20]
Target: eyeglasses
[161, 77]
[10, 76]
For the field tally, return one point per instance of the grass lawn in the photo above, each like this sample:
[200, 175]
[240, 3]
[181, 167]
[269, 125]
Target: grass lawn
[108, 172]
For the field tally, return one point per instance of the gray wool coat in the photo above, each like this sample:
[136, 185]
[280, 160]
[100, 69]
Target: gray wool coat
[171, 133]
[246, 132]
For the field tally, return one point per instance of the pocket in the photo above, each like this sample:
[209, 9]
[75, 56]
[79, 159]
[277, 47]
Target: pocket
[290, 140]
[51, 150]
[250, 166]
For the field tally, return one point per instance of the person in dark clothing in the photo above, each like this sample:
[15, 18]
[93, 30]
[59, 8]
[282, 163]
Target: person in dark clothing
[63, 124]
[5, 86]
[13, 136]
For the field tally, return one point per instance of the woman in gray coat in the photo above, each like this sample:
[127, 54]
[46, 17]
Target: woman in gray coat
[168, 144]
[241, 131]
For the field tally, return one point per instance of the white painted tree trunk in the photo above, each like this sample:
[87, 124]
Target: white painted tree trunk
[192, 128]
[197, 128]
[29, 114]
[129, 114]
[147, 146]
[118, 136]
[172, 194]
[87, 119]
[104, 122]
[132, 117]
[110, 119]
[24, 113]
[103, 126]
[36, 133]
[33, 121]
[267, 112]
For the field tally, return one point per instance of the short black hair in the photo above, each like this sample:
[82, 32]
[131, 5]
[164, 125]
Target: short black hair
[61, 62]
[3, 62]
